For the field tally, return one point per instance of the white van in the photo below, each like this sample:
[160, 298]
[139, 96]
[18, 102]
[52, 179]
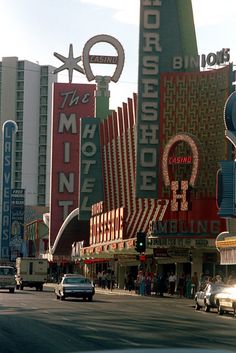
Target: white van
[7, 278]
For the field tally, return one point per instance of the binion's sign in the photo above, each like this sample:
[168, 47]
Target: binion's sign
[203, 60]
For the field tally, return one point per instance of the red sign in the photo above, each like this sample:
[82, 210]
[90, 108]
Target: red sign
[71, 102]
[180, 160]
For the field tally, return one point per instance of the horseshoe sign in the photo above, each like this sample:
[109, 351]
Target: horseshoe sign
[103, 59]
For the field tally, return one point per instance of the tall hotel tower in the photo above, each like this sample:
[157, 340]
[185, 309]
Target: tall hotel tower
[26, 98]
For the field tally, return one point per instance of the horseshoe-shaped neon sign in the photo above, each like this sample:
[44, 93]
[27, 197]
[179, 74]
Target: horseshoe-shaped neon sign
[174, 140]
[120, 56]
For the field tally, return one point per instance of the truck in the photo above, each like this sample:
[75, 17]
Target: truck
[31, 272]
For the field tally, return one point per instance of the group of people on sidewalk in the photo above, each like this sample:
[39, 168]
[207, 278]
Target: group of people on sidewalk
[106, 279]
[148, 283]
[159, 284]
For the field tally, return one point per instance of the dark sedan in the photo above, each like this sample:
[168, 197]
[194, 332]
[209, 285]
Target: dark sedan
[205, 297]
[75, 286]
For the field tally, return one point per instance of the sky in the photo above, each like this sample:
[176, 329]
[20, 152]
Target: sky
[34, 29]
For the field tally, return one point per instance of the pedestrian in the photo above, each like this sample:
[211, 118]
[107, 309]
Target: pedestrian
[155, 281]
[188, 286]
[99, 278]
[172, 283]
[161, 284]
[113, 280]
[142, 284]
[181, 285]
[129, 282]
[148, 283]
[195, 283]
[103, 280]
[108, 279]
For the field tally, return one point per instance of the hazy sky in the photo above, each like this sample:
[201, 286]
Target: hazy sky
[34, 30]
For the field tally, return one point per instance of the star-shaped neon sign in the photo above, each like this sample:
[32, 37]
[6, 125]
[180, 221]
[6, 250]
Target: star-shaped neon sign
[70, 63]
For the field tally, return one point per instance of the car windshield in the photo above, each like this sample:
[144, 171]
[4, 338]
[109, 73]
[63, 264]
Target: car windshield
[7, 271]
[75, 280]
[218, 287]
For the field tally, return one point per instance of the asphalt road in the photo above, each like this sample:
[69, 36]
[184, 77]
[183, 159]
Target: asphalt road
[35, 322]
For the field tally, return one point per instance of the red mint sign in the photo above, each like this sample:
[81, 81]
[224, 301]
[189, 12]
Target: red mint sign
[71, 103]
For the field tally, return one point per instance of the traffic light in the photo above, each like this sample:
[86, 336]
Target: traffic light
[141, 242]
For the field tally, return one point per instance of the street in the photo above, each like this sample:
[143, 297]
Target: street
[36, 322]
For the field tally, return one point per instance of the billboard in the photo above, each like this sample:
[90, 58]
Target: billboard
[71, 103]
[17, 222]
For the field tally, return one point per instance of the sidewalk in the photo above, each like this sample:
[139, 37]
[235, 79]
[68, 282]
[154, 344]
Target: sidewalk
[117, 291]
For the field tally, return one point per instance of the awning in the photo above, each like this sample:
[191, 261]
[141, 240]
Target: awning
[228, 256]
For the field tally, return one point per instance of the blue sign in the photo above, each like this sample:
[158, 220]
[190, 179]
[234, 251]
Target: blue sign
[17, 222]
[9, 127]
[230, 113]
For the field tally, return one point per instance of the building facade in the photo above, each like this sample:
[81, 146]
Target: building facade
[26, 101]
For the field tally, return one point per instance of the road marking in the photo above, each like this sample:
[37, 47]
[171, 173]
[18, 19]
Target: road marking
[130, 342]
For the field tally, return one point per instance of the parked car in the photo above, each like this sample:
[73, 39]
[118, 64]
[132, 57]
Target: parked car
[226, 301]
[205, 297]
[7, 278]
[75, 286]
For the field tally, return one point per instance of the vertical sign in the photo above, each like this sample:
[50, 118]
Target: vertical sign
[71, 103]
[17, 222]
[148, 101]
[9, 127]
[90, 171]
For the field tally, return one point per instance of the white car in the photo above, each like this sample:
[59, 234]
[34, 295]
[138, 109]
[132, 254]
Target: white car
[75, 286]
[7, 278]
[226, 301]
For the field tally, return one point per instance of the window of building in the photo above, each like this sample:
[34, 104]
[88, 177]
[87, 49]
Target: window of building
[19, 116]
[41, 200]
[42, 150]
[20, 75]
[21, 65]
[43, 100]
[44, 70]
[44, 81]
[42, 160]
[19, 105]
[42, 140]
[43, 91]
[20, 85]
[18, 146]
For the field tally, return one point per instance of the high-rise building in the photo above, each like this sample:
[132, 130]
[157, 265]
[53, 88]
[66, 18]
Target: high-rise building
[26, 98]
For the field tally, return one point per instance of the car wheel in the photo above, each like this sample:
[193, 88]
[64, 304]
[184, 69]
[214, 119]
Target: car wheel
[84, 299]
[90, 298]
[207, 308]
[220, 310]
[12, 290]
[197, 306]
